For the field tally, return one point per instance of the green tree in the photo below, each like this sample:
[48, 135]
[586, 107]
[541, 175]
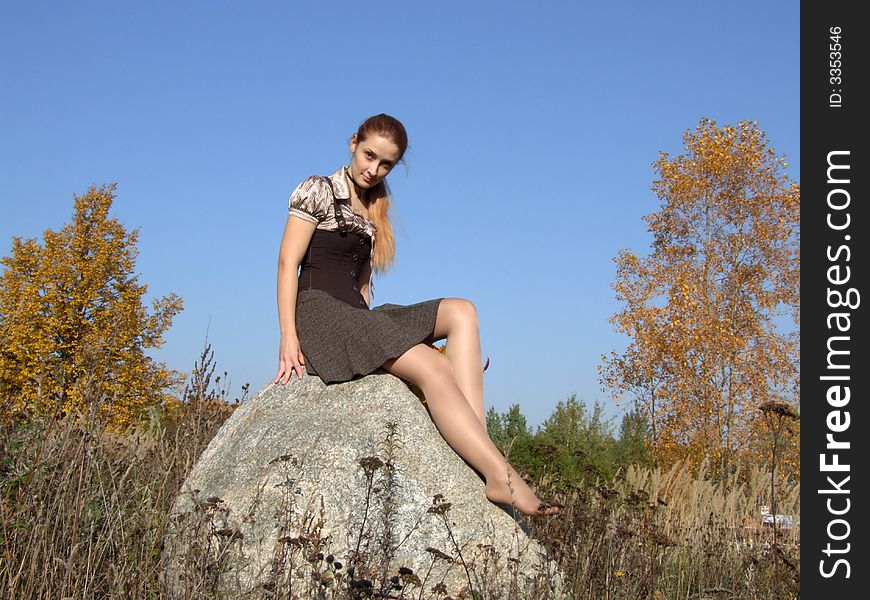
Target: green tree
[507, 428]
[583, 440]
[511, 434]
[633, 434]
[73, 326]
[703, 309]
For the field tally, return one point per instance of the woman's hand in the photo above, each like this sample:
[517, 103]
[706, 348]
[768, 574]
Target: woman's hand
[289, 358]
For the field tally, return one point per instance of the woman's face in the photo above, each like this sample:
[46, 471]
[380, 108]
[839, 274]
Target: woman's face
[372, 159]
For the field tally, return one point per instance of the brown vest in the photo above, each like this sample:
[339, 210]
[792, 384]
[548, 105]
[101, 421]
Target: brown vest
[334, 260]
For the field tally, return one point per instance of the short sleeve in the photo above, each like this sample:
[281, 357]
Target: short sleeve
[309, 200]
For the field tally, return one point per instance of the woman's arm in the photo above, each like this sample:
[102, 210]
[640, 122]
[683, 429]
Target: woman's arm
[364, 275]
[297, 235]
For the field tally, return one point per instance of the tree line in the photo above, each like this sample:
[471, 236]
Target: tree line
[575, 443]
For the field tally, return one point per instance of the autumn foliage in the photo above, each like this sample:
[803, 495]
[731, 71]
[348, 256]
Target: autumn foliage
[712, 310]
[73, 326]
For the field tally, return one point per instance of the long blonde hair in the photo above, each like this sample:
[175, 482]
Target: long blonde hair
[384, 251]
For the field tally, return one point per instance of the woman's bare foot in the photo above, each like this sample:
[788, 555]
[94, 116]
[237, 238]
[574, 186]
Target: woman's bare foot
[518, 493]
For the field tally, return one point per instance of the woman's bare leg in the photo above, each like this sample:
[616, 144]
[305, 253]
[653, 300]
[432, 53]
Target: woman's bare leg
[460, 427]
[457, 321]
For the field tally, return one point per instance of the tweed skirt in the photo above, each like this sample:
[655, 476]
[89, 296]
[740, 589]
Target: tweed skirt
[341, 342]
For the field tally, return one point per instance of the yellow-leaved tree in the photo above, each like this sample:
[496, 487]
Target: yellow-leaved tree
[73, 326]
[712, 310]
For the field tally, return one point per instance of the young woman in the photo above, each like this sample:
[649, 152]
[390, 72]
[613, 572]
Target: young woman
[338, 232]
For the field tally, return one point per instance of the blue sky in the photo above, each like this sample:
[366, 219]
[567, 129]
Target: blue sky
[532, 132]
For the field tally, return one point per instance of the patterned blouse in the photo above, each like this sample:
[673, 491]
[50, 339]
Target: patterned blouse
[312, 201]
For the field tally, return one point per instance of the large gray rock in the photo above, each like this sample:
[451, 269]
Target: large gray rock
[305, 476]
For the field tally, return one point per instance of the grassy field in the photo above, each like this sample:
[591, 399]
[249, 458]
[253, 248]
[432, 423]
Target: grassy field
[84, 512]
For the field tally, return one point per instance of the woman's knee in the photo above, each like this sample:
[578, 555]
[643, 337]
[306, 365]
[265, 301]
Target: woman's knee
[458, 312]
[467, 310]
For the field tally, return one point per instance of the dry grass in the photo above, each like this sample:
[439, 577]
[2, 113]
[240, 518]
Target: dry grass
[84, 514]
[676, 534]
[83, 510]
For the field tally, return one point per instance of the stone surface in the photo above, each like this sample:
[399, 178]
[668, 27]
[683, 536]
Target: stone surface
[350, 471]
